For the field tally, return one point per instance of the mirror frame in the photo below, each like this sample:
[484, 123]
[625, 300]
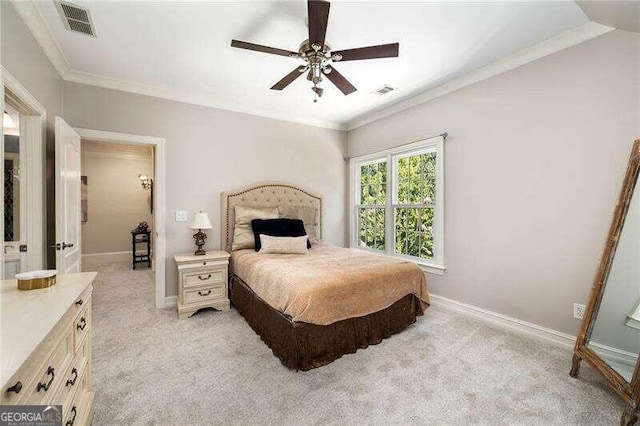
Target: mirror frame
[628, 391]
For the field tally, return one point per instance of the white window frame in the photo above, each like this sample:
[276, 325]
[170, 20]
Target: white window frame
[391, 156]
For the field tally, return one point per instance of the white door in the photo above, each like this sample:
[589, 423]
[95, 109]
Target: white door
[67, 198]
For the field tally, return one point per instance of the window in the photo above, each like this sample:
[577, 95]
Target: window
[398, 203]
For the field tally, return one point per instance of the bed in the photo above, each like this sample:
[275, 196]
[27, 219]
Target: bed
[312, 309]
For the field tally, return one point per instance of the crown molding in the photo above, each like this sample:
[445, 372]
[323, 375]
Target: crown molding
[547, 47]
[40, 30]
[193, 98]
[29, 13]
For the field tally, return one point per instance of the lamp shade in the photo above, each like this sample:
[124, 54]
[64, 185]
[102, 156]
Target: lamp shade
[201, 221]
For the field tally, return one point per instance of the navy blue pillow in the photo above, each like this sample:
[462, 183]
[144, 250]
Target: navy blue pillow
[277, 228]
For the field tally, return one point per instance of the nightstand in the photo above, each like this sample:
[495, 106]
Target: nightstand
[202, 282]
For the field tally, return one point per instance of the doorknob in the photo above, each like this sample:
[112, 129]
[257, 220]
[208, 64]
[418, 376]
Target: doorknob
[65, 245]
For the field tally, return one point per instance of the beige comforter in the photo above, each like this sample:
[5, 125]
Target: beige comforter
[330, 283]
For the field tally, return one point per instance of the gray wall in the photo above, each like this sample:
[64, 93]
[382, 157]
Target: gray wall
[116, 200]
[25, 60]
[211, 150]
[534, 163]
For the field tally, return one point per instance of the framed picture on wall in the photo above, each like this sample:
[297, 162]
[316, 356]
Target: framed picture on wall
[84, 199]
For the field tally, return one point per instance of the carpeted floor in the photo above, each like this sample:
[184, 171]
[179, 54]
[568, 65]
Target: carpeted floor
[150, 367]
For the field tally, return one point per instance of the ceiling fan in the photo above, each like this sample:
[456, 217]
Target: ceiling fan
[318, 56]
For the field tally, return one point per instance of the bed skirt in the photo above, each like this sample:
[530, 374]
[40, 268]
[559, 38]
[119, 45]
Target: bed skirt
[303, 346]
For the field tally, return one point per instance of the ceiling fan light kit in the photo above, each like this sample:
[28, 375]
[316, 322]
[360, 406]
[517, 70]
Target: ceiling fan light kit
[318, 56]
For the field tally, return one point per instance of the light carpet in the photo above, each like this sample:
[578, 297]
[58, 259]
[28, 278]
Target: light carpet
[150, 367]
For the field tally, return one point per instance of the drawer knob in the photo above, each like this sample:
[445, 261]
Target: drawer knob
[15, 388]
[204, 294]
[46, 386]
[79, 302]
[204, 263]
[75, 376]
[81, 324]
[205, 278]
[73, 419]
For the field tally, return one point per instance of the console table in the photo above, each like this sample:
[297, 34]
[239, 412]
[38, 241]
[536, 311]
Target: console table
[139, 256]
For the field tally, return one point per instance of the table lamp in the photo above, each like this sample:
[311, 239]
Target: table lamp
[200, 221]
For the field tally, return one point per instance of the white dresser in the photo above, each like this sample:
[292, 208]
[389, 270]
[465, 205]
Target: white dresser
[46, 346]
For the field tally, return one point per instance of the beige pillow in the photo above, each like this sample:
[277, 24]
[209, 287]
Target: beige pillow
[242, 232]
[283, 245]
[307, 214]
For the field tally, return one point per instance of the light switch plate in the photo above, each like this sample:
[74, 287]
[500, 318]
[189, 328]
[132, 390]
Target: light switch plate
[181, 216]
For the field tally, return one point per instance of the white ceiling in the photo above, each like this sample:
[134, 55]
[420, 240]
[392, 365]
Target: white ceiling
[185, 48]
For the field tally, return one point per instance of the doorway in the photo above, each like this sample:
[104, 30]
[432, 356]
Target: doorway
[23, 170]
[117, 219]
[155, 198]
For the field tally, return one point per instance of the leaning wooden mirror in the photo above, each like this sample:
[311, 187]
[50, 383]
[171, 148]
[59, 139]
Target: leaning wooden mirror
[609, 338]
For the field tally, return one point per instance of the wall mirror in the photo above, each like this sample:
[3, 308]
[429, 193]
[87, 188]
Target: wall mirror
[609, 338]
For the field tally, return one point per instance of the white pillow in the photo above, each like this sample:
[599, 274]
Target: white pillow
[243, 233]
[283, 245]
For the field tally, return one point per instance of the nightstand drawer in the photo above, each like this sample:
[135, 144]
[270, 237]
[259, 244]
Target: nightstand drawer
[205, 294]
[205, 277]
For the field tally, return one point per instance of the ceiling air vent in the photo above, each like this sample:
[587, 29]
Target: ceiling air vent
[76, 18]
[384, 90]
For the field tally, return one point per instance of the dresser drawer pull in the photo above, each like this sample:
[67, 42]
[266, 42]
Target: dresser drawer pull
[205, 278]
[50, 371]
[75, 376]
[79, 302]
[15, 388]
[75, 413]
[204, 294]
[82, 324]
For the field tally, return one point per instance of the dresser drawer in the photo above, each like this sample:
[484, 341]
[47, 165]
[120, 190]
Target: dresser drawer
[204, 277]
[82, 324]
[73, 377]
[49, 376]
[82, 302]
[205, 294]
[74, 411]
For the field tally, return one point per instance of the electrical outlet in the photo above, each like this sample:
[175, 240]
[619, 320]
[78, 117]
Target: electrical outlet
[181, 216]
[578, 310]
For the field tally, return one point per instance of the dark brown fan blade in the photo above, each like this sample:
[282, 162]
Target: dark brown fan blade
[260, 48]
[341, 83]
[288, 79]
[371, 52]
[318, 18]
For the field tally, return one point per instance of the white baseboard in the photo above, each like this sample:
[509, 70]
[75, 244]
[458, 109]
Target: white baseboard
[101, 258]
[549, 335]
[506, 322]
[614, 354]
[170, 302]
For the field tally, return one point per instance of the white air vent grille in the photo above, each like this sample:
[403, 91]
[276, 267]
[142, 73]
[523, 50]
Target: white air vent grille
[384, 90]
[76, 18]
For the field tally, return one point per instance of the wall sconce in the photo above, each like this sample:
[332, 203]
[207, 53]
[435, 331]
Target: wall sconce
[147, 184]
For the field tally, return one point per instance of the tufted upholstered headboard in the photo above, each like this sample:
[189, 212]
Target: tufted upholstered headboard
[268, 194]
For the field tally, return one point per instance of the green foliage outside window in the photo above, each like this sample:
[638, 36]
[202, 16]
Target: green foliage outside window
[414, 210]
